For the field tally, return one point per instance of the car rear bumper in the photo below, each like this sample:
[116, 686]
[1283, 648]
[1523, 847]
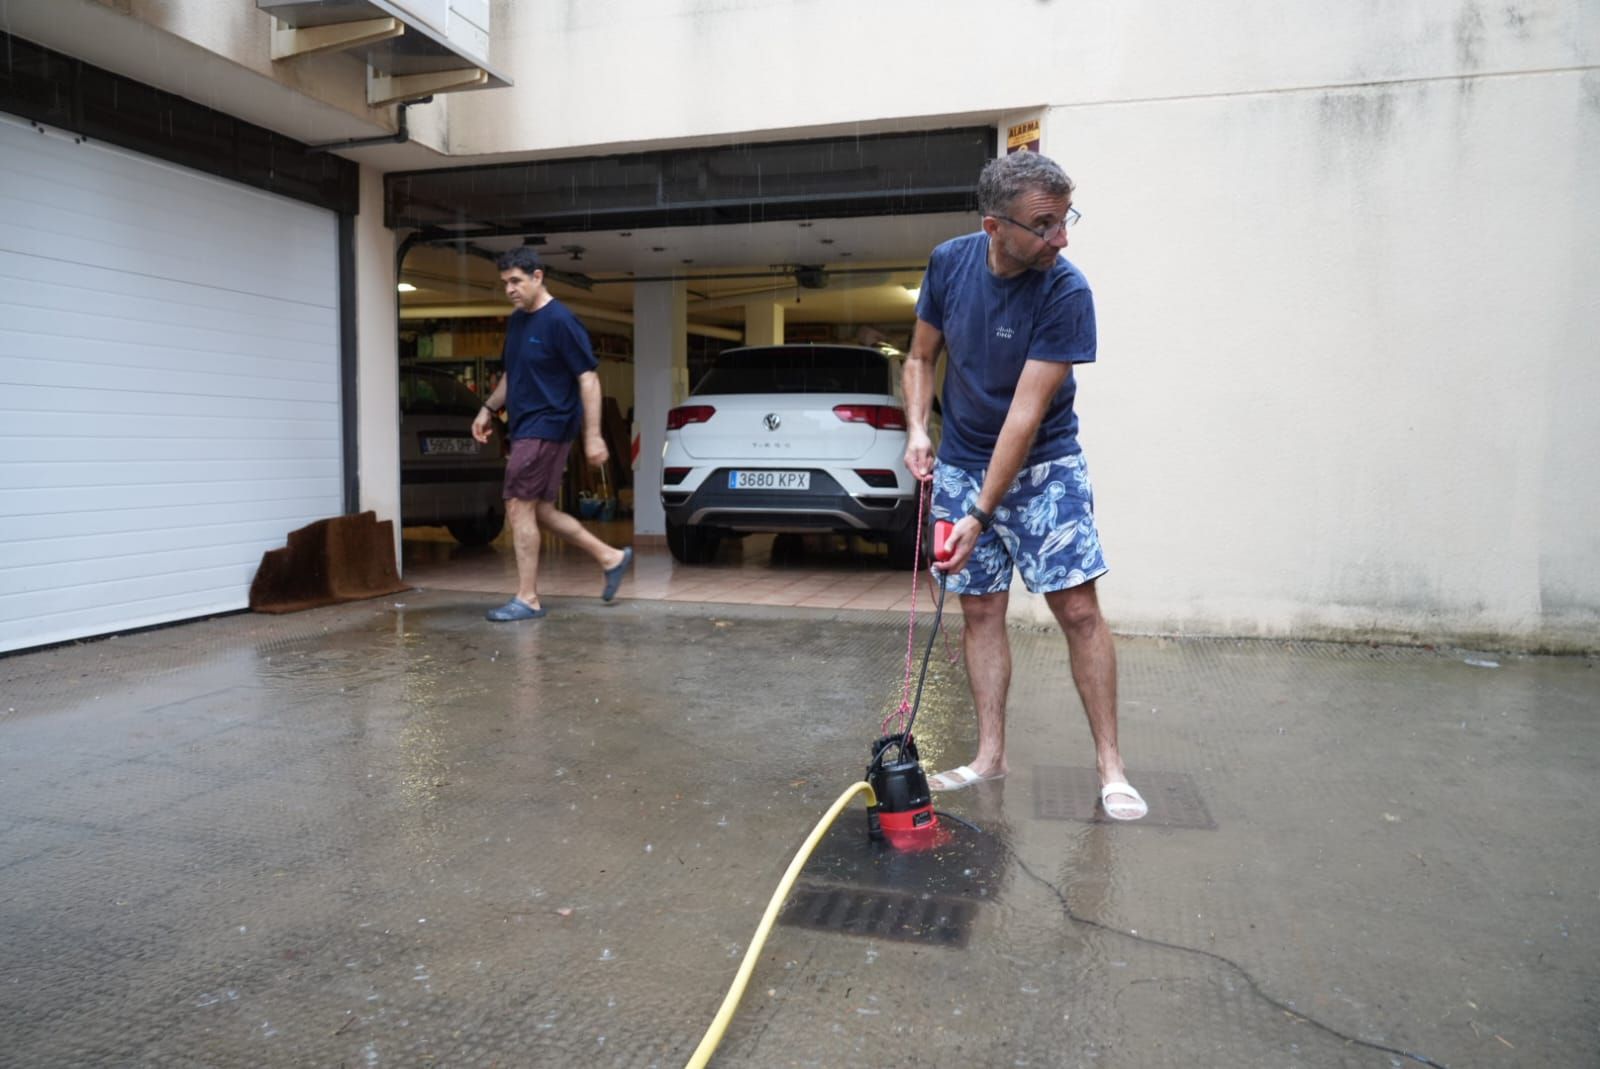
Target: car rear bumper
[825, 506]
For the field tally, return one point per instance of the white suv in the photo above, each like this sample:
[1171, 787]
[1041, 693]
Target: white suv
[790, 438]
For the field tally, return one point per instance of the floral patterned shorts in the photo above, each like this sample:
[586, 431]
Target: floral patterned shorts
[1044, 528]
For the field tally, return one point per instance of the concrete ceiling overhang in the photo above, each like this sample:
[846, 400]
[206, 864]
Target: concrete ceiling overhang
[322, 99]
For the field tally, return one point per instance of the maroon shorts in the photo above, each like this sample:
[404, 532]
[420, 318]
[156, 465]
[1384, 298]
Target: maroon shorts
[535, 468]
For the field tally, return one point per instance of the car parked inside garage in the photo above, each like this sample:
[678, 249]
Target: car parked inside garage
[790, 439]
[446, 476]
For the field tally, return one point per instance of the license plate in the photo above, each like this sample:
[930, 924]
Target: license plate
[437, 447]
[769, 480]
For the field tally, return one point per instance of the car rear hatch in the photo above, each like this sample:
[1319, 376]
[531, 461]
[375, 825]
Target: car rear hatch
[790, 404]
[782, 428]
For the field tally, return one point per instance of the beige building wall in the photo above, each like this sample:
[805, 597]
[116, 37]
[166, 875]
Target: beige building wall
[1350, 375]
[618, 72]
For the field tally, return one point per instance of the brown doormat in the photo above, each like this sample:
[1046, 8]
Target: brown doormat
[345, 558]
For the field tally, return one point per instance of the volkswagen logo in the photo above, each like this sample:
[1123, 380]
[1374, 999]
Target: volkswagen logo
[772, 420]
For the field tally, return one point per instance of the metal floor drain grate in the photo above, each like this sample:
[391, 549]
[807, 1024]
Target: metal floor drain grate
[881, 914]
[1061, 793]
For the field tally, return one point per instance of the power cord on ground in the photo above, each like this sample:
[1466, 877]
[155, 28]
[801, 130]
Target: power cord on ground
[1255, 986]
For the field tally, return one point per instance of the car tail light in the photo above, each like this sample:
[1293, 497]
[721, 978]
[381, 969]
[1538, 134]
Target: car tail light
[674, 476]
[684, 415]
[879, 478]
[883, 417]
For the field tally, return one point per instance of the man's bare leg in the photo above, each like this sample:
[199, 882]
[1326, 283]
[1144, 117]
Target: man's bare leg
[554, 520]
[988, 652]
[525, 538]
[1094, 670]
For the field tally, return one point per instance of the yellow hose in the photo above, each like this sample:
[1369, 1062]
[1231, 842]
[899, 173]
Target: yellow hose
[719, 1023]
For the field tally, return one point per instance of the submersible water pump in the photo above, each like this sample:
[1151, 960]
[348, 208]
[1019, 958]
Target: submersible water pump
[904, 814]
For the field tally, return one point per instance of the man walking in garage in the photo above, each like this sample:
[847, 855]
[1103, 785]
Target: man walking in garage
[550, 393]
[1015, 317]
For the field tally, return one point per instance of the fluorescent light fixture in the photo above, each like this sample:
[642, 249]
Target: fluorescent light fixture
[406, 287]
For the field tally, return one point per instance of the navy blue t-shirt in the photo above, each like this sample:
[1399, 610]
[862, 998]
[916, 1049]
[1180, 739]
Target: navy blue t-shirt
[544, 353]
[992, 326]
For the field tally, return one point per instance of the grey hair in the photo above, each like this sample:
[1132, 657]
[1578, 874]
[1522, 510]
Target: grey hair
[1006, 178]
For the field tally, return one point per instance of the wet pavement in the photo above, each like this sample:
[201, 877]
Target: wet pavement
[389, 833]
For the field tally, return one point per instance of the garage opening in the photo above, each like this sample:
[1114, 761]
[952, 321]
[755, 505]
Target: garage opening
[819, 242]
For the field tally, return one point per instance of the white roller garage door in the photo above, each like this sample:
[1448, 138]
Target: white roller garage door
[169, 386]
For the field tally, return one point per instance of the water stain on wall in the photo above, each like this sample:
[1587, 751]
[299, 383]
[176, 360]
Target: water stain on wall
[1367, 114]
[1518, 22]
[1591, 90]
[1469, 33]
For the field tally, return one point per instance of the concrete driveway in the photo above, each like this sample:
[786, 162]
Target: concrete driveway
[389, 833]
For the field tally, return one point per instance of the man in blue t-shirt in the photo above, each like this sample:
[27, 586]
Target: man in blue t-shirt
[1015, 317]
[550, 393]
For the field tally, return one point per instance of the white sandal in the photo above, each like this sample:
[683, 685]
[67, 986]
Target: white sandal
[1133, 810]
[958, 779]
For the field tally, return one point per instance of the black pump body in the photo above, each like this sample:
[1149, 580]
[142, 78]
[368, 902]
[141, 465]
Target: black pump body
[905, 805]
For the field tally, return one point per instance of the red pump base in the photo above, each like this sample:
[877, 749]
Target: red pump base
[913, 831]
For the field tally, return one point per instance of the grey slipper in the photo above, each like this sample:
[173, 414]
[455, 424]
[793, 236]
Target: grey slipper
[614, 575]
[515, 609]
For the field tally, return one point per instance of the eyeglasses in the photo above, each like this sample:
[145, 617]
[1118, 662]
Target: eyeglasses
[1046, 233]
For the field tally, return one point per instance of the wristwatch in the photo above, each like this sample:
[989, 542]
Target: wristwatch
[985, 519]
